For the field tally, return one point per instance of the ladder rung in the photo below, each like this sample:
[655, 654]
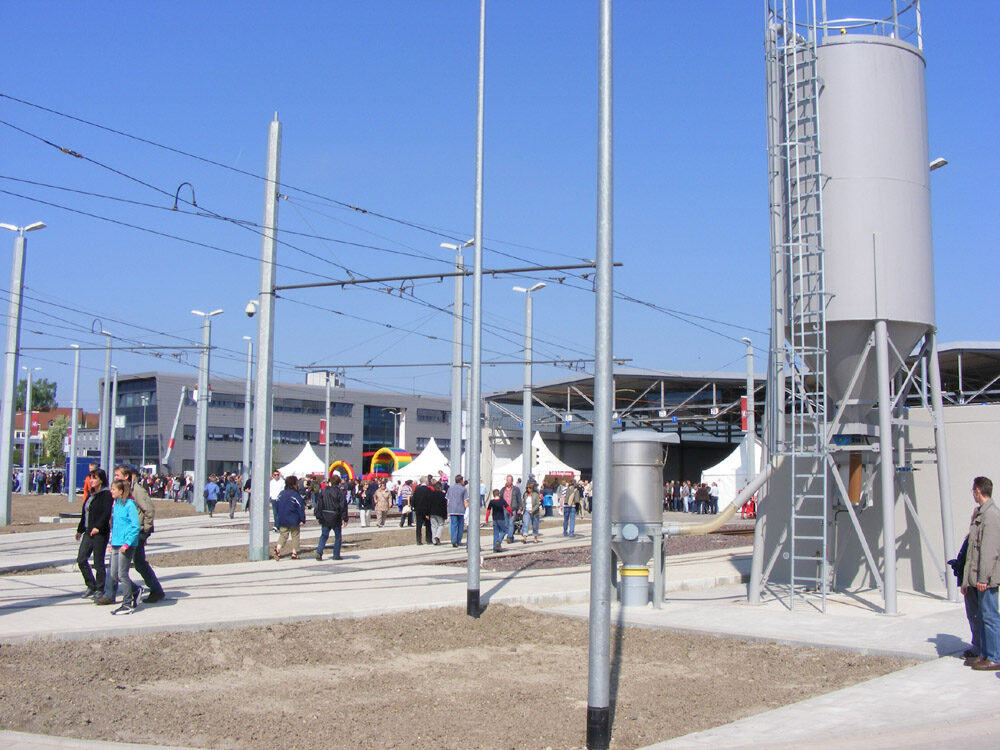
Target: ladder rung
[797, 536]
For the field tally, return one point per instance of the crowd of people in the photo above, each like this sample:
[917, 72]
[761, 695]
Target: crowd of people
[40, 482]
[691, 497]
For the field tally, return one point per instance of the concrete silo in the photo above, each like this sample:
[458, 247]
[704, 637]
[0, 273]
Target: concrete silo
[852, 296]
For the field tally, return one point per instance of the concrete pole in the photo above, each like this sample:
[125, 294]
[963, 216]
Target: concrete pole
[475, 434]
[112, 419]
[201, 418]
[74, 425]
[326, 440]
[599, 668]
[455, 454]
[103, 432]
[10, 365]
[247, 409]
[944, 478]
[260, 505]
[526, 394]
[751, 415]
[26, 451]
[886, 466]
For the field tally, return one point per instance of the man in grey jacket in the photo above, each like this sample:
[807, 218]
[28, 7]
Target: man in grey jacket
[982, 572]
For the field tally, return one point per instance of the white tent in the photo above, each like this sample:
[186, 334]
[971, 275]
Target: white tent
[304, 464]
[430, 461]
[730, 474]
[544, 463]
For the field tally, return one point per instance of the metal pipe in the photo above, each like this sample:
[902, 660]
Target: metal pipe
[259, 501]
[941, 447]
[173, 429]
[73, 425]
[475, 389]
[886, 468]
[599, 666]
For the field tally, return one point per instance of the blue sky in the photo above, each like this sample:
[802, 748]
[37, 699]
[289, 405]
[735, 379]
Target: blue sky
[378, 102]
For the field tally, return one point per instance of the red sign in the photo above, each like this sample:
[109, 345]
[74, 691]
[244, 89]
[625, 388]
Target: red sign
[743, 412]
[35, 423]
[322, 432]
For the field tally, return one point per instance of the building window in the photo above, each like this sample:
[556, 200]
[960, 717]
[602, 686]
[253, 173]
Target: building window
[379, 430]
[432, 415]
[342, 439]
[300, 406]
[443, 443]
[286, 437]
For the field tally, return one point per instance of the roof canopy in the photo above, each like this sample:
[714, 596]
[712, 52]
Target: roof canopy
[430, 461]
[544, 464]
[306, 463]
[730, 474]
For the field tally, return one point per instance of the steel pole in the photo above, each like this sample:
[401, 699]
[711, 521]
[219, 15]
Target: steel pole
[599, 667]
[475, 433]
[145, 403]
[13, 343]
[71, 478]
[201, 419]
[944, 478]
[105, 405]
[326, 437]
[260, 504]
[887, 468]
[526, 396]
[248, 410]
[112, 419]
[26, 452]
[751, 415]
[455, 454]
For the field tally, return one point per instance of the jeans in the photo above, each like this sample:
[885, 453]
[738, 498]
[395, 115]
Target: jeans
[989, 628]
[975, 623]
[499, 532]
[457, 526]
[324, 534]
[569, 520]
[143, 568]
[509, 525]
[405, 519]
[120, 564]
[274, 514]
[97, 545]
[530, 523]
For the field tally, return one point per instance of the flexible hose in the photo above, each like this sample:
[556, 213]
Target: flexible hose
[707, 527]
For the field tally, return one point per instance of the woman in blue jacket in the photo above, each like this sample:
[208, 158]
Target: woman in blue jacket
[290, 515]
[124, 534]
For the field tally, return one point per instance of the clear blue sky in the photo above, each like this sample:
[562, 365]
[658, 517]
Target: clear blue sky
[378, 103]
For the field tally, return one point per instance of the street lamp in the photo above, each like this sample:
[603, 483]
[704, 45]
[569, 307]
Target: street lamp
[526, 402]
[201, 429]
[456, 358]
[247, 409]
[104, 431]
[13, 342]
[26, 458]
[145, 402]
[394, 411]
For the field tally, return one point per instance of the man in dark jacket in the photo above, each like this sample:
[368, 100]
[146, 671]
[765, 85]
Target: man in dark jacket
[421, 502]
[92, 532]
[330, 507]
[438, 511]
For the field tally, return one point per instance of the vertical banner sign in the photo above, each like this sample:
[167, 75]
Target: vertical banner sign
[322, 432]
[743, 413]
[35, 423]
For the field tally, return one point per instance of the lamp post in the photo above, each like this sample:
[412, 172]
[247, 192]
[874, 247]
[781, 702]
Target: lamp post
[74, 424]
[112, 420]
[455, 454]
[247, 409]
[201, 428]
[526, 402]
[104, 430]
[26, 458]
[751, 415]
[145, 402]
[10, 366]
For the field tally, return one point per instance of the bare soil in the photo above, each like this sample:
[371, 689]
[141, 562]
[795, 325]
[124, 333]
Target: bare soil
[514, 678]
[26, 510]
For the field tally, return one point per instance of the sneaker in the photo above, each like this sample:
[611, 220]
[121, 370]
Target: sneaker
[136, 593]
[89, 594]
[125, 609]
[153, 598]
[103, 600]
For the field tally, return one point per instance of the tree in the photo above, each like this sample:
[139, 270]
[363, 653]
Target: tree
[43, 395]
[53, 444]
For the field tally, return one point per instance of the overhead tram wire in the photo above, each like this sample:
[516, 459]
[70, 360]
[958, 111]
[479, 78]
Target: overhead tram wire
[677, 314]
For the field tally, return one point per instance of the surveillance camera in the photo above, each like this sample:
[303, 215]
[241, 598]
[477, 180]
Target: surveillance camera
[251, 308]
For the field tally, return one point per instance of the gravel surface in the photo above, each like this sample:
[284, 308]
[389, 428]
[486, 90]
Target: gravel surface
[514, 678]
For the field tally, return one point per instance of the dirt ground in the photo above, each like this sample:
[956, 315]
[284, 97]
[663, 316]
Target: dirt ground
[26, 509]
[514, 678]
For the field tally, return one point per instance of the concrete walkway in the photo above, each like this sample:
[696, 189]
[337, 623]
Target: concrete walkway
[934, 704]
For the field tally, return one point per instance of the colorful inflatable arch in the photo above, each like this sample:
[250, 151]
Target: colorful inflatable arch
[385, 461]
[343, 468]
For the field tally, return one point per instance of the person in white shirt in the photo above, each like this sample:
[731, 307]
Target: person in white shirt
[276, 485]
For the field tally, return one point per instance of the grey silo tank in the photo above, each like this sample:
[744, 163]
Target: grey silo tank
[876, 199]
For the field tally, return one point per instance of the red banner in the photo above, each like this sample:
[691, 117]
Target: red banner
[35, 423]
[743, 412]
[322, 432]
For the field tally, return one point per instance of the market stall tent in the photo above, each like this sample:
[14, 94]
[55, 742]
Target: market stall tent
[544, 463]
[730, 474]
[304, 464]
[430, 461]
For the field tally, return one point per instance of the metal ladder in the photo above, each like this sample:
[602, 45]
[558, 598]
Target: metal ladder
[805, 346]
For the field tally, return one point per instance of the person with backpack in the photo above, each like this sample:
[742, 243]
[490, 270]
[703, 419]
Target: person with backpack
[330, 507]
[291, 516]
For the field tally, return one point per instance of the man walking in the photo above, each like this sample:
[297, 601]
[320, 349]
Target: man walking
[421, 502]
[330, 508]
[982, 573]
[458, 501]
[511, 496]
